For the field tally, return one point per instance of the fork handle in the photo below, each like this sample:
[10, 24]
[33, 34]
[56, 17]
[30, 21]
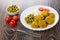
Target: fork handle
[34, 35]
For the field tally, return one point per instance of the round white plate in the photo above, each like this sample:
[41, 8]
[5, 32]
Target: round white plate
[34, 9]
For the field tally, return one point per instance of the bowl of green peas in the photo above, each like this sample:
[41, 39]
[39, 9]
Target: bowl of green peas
[13, 9]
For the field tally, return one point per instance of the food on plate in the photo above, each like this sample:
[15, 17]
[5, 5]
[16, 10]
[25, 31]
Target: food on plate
[12, 9]
[41, 20]
[40, 9]
[45, 13]
[43, 9]
[30, 18]
[34, 24]
[11, 20]
[15, 18]
[51, 15]
[46, 9]
[12, 23]
[39, 17]
[42, 23]
[7, 19]
[49, 20]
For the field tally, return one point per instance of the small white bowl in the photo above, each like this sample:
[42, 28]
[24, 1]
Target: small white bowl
[13, 13]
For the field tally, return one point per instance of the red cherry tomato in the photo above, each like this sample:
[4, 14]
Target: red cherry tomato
[46, 9]
[7, 19]
[12, 23]
[41, 9]
[15, 18]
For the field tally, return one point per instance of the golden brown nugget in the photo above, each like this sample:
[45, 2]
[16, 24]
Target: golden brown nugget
[45, 13]
[49, 20]
[42, 23]
[51, 15]
[39, 17]
[34, 24]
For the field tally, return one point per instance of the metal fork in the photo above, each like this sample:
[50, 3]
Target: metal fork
[31, 34]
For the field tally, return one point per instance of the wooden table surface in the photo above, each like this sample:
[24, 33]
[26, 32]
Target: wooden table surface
[7, 34]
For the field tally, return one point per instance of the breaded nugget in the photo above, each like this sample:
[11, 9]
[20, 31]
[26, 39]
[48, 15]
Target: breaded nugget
[49, 20]
[51, 15]
[34, 24]
[39, 17]
[42, 23]
[45, 13]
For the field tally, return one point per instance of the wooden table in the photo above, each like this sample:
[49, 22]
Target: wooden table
[7, 34]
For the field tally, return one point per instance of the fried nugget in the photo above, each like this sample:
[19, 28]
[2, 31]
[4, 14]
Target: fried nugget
[39, 17]
[42, 23]
[49, 20]
[34, 24]
[45, 13]
[51, 15]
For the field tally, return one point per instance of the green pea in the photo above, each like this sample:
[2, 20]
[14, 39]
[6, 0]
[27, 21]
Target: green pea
[12, 8]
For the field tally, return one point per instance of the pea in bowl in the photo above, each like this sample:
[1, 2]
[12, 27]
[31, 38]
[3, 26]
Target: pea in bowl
[32, 18]
[12, 9]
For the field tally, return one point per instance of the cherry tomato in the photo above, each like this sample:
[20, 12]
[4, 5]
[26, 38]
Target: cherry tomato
[7, 19]
[12, 20]
[46, 9]
[15, 18]
[12, 23]
[41, 9]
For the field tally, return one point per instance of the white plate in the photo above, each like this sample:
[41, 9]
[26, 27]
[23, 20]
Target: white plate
[34, 9]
